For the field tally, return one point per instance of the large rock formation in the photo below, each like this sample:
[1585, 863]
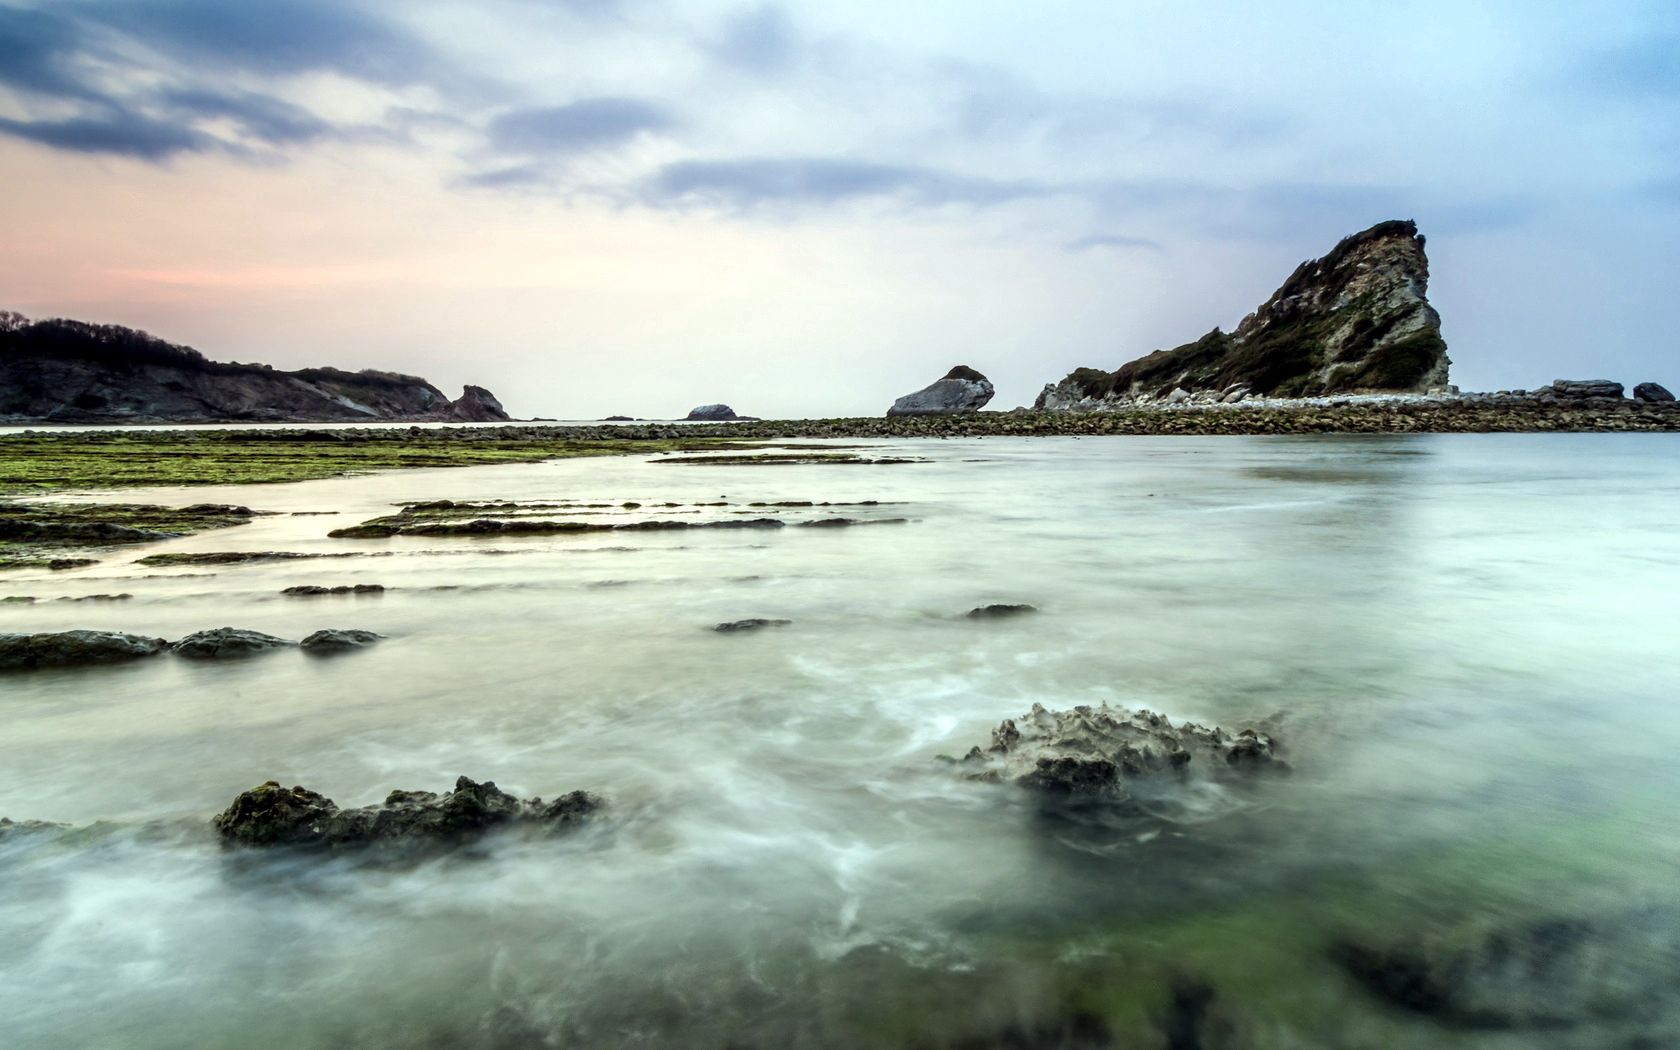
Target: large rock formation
[1355, 320]
[962, 389]
[64, 371]
[712, 413]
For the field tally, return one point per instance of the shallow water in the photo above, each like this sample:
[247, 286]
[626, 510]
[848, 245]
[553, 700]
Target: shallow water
[1471, 639]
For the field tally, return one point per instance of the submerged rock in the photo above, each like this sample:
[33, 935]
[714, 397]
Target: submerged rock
[23, 652]
[224, 642]
[270, 815]
[960, 390]
[752, 624]
[1549, 972]
[1000, 612]
[316, 590]
[1652, 393]
[1103, 754]
[712, 412]
[338, 640]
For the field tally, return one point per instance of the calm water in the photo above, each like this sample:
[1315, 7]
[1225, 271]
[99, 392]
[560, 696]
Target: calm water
[1472, 640]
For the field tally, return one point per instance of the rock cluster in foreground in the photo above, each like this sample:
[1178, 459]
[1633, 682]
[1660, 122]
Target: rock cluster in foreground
[1111, 755]
[271, 815]
[28, 652]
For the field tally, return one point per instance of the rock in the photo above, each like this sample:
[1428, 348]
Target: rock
[66, 371]
[1355, 320]
[25, 652]
[712, 412]
[270, 815]
[1547, 972]
[1111, 755]
[1653, 393]
[1178, 396]
[999, 612]
[226, 642]
[753, 624]
[962, 389]
[1572, 389]
[618, 419]
[475, 405]
[316, 590]
[338, 640]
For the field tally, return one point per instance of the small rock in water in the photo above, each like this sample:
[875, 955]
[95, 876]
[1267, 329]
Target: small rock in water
[224, 642]
[998, 612]
[712, 412]
[752, 624]
[315, 590]
[23, 652]
[270, 815]
[338, 640]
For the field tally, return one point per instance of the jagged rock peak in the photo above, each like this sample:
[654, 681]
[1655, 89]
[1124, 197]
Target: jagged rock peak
[960, 390]
[1356, 319]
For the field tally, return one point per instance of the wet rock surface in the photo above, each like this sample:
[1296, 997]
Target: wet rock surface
[222, 643]
[317, 590]
[338, 640]
[1560, 971]
[754, 623]
[271, 815]
[1000, 612]
[23, 652]
[960, 390]
[1115, 756]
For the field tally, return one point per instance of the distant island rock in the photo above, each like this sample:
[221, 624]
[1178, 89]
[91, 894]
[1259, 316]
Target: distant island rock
[64, 371]
[962, 389]
[711, 413]
[1356, 320]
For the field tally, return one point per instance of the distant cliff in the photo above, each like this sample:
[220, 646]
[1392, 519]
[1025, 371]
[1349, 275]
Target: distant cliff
[60, 371]
[1355, 320]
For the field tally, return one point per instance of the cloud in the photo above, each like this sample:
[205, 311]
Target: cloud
[758, 40]
[120, 132]
[588, 124]
[37, 51]
[746, 183]
[1097, 241]
[273, 36]
[268, 119]
[518, 177]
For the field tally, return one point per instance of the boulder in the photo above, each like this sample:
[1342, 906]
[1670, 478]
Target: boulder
[25, 652]
[226, 642]
[753, 624]
[338, 640]
[712, 413]
[1654, 393]
[999, 612]
[475, 405]
[270, 815]
[1114, 756]
[1577, 389]
[1356, 319]
[962, 389]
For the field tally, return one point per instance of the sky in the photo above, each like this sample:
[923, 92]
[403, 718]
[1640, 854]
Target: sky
[598, 207]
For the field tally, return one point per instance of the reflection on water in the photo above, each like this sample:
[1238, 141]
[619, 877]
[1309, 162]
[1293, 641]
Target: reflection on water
[1470, 640]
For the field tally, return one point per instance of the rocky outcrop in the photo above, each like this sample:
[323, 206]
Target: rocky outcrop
[64, 371]
[27, 652]
[1355, 320]
[331, 640]
[1114, 756]
[475, 405]
[270, 815]
[1581, 389]
[711, 413]
[223, 643]
[754, 623]
[1000, 612]
[1652, 393]
[960, 390]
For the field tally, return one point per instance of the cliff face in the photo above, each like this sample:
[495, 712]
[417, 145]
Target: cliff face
[1355, 320]
[71, 372]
